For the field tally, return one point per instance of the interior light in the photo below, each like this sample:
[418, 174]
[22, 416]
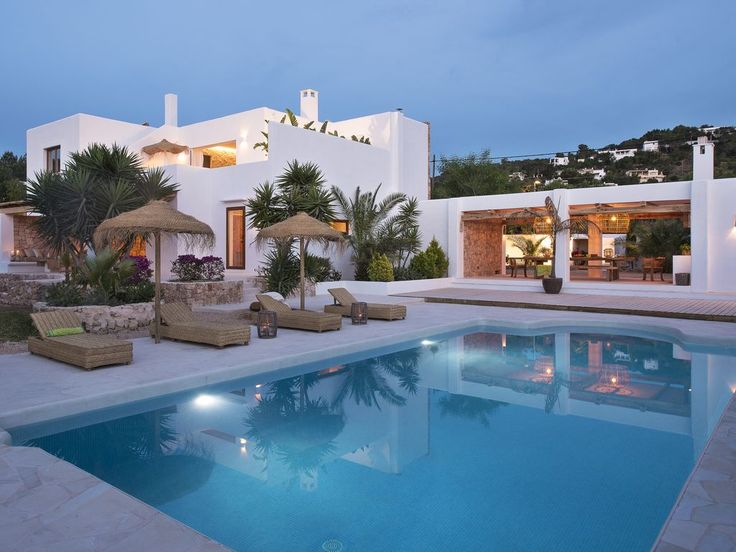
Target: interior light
[259, 385]
[614, 379]
[549, 371]
[614, 218]
[243, 441]
[427, 342]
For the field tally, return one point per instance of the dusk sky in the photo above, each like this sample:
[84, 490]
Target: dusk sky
[517, 77]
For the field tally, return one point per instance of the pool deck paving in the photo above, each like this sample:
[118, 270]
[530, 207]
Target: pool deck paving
[715, 309]
[36, 390]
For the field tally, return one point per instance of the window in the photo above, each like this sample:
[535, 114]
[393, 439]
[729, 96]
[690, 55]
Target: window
[235, 237]
[341, 226]
[138, 249]
[53, 159]
[206, 161]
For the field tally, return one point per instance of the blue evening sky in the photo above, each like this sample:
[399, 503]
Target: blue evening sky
[515, 76]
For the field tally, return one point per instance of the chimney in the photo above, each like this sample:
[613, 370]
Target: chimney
[309, 104]
[703, 159]
[171, 115]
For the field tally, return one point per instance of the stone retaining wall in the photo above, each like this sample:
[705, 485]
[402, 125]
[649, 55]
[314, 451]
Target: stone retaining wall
[203, 293]
[19, 290]
[101, 319]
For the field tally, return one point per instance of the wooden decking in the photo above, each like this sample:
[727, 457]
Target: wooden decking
[693, 309]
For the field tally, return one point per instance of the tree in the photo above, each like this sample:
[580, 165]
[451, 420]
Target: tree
[12, 176]
[375, 230]
[475, 174]
[300, 188]
[98, 183]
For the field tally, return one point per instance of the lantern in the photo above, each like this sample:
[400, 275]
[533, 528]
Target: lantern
[266, 323]
[359, 313]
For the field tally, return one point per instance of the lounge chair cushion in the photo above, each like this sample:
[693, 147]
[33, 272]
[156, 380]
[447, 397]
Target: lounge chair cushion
[59, 332]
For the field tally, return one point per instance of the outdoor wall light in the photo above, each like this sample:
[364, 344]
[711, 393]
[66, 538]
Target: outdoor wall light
[266, 324]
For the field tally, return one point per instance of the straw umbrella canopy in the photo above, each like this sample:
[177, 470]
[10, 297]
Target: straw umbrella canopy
[154, 219]
[303, 227]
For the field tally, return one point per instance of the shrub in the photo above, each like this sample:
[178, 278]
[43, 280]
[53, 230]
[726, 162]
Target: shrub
[212, 268]
[142, 272]
[142, 292]
[430, 263]
[280, 270]
[64, 294]
[187, 268]
[402, 273]
[380, 269]
[320, 269]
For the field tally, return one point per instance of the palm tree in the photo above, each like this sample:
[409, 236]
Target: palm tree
[98, 183]
[528, 246]
[370, 222]
[300, 188]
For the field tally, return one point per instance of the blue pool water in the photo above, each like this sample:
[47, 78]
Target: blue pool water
[480, 441]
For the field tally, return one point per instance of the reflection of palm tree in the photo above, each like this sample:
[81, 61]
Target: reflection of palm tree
[138, 454]
[470, 408]
[99, 447]
[299, 432]
[366, 383]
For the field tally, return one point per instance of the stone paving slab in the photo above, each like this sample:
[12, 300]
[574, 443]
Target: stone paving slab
[704, 516]
[48, 504]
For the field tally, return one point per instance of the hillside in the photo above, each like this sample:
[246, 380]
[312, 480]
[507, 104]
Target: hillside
[667, 156]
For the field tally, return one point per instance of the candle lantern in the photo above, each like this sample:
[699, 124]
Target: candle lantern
[266, 323]
[359, 313]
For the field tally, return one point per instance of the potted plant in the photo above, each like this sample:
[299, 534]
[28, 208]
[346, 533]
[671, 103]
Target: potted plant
[551, 283]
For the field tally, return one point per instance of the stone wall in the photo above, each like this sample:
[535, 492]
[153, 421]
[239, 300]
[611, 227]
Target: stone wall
[482, 247]
[203, 293]
[101, 319]
[25, 236]
[22, 290]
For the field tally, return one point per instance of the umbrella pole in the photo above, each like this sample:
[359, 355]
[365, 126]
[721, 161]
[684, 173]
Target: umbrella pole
[157, 304]
[301, 271]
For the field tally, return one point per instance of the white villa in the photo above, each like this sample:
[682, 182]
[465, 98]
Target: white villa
[217, 168]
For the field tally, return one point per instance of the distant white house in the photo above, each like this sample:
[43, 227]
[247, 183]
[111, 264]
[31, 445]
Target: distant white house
[558, 161]
[645, 175]
[619, 154]
[650, 145]
[518, 175]
[598, 174]
[217, 167]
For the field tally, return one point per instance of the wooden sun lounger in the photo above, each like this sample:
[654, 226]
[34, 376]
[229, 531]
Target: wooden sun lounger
[179, 323]
[86, 350]
[379, 311]
[286, 317]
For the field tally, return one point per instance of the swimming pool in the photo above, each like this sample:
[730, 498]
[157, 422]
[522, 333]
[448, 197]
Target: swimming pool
[480, 440]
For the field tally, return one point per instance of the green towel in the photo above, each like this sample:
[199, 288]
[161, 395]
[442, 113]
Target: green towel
[58, 332]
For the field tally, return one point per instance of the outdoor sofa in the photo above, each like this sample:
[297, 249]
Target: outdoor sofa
[380, 311]
[286, 317]
[61, 337]
[179, 323]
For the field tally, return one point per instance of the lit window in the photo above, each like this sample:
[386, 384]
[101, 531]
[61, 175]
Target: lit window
[340, 226]
[53, 159]
[235, 235]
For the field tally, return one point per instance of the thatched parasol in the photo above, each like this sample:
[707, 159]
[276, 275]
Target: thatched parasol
[301, 226]
[164, 146]
[153, 219]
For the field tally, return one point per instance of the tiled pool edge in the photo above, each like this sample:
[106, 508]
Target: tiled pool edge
[703, 518]
[49, 504]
